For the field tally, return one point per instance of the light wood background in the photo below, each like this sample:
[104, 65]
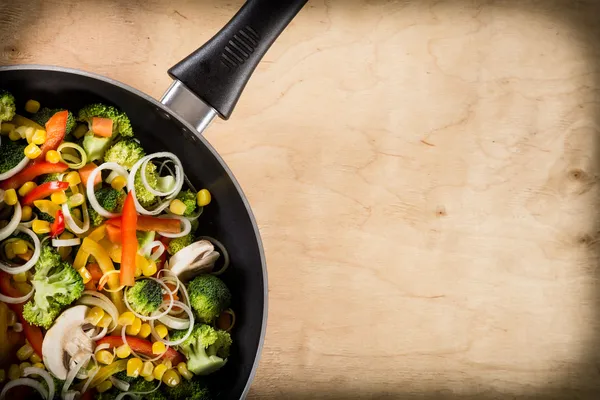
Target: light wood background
[425, 177]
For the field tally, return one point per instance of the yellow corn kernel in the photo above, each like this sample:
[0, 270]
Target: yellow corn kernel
[105, 321]
[177, 207]
[9, 252]
[26, 213]
[32, 106]
[127, 318]
[40, 227]
[2, 375]
[24, 365]
[134, 367]
[161, 330]
[35, 358]
[158, 372]
[134, 329]
[12, 318]
[25, 132]
[80, 131]
[14, 135]
[149, 378]
[24, 352]
[144, 331]
[32, 151]
[22, 277]
[171, 378]
[39, 365]
[104, 386]
[95, 315]
[184, 371]
[123, 351]
[147, 369]
[158, 348]
[26, 188]
[14, 372]
[203, 198]
[118, 183]
[59, 197]
[149, 269]
[168, 364]
[52, 156]
[20, 247]
[7, 128]
[73, 178]
[38, 137]
[105, 357]
[76, 213]
[85, 274]
[10, 197]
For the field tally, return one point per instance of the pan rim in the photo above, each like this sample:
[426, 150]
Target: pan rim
[55, 68]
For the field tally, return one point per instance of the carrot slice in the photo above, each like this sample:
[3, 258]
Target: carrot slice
[102, 126]
[86, 170]
[130, 244]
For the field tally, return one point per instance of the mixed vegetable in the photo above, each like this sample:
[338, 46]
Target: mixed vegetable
[106, 288]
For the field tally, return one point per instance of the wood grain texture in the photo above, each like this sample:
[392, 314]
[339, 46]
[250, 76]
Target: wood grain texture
[425, 177]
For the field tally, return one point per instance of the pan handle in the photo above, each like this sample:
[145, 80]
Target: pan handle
[218, 71]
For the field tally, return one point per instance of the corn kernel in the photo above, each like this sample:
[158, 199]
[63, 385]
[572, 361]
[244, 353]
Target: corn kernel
[38, 137]
[144, 331]
[26, 188]
[10, 197]
[168, 364]
[158, 372]
[14, 135]
[22, 277]
[105, 357]
[134, 367]
[134, 328]
[9, 252]
[73, 178]
[149, 378]
[32, 151]
[95, 315]
[7, 128]
[203, 198]
[123, 351]
[59, 197]
[24, 365]
[12, 318]
[2, 375]
[177, 207]
[126, 318]
[147, 369]
[158, 348]
[76, 213]
[184, 371]
[40, 227]
[118, 183]
[149, 269]
[171, 378]
[20, 247]
[80, 131]
[35, 359]
[24, 352]
[14, 372]
[52, 156]
[85, 274]
[25, 132]
[26, 213]
[105, 321]
[104, 386]
[161, 331]
[32, 106]
[39, 365]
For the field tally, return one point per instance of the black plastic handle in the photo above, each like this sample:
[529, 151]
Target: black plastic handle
[218, 71]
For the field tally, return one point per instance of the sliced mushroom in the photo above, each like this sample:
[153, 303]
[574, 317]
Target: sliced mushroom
[66, 340]
[198, 257]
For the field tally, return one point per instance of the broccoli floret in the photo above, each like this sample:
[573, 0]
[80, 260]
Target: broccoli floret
[145, 238]
[202, 348]
[56, 285]
[141, 385]
[121, 123]
[122, 376]
[179, 243]
[95, 218]
[145, 296]
[58, 384]
[146, 198]
[188, 198]
[8, 107]
[95, 146]
[126, 153]
[44, 114]
[44, 216]
[49, 178]
[111, 199]
[209, 296]
[187, 390]
[11, 154]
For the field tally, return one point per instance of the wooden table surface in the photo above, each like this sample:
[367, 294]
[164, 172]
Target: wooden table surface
[424, 174]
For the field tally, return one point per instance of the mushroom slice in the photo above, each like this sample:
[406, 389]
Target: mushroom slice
[66, 339]
[194, 259]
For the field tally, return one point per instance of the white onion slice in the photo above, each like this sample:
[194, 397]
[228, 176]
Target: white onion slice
[158, 192]
[91, 374]
[16, 300]
[71, 395]
[44, 374]
[71, 222]
[32, 383]
[102, 346]
[152, 317]
[158, 252]
[119, 384]
[18, 327]
[34, 258]
[29, 224]
[73, 373]
[18, 168]
[100, 335]
[141, 356]
[175, 323]
[189, 312]
[66, 242]
[90, 187]
[187, 226]
[12, 224]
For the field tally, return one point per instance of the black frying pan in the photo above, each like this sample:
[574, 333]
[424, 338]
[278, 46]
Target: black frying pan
[206, 84]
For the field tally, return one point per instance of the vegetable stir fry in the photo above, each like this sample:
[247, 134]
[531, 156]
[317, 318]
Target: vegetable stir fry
[107, 289]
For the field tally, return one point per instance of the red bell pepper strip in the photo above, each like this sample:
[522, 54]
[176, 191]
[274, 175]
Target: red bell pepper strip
[114, 234]
[58, 226]
[102, 126]
[152, 224]
[56, 129]
[141, 346]
[86, 170]
[32, 333]
[43, 191]
[31, 172]
[130, 244]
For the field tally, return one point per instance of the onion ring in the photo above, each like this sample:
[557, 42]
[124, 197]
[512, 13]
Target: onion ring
[34, 258]
[90, 187]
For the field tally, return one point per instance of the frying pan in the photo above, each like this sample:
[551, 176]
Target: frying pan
[207, 83]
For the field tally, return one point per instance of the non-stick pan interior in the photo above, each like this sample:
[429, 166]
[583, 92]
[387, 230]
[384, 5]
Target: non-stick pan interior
[227, 218]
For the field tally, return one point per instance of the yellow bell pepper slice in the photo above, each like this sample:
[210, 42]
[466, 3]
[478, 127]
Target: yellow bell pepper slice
[19, 120]
[107, 371]
[47, 206]
[98, 234]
